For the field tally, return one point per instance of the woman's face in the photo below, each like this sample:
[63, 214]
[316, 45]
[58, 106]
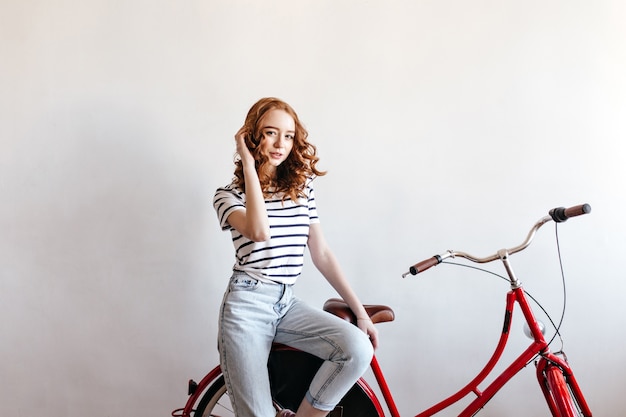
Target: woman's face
[278, 130]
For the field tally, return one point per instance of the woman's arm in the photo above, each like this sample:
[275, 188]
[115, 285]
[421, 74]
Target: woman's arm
[252, 222]
[325, 261]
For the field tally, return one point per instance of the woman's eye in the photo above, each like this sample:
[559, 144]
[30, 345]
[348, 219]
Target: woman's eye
[290, 137]
[270, 133]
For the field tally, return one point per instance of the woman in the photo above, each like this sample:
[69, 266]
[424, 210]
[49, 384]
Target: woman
[270, 210]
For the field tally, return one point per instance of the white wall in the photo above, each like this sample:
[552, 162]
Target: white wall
[449, 124]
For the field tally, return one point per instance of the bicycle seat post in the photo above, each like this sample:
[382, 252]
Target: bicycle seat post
[504, 256]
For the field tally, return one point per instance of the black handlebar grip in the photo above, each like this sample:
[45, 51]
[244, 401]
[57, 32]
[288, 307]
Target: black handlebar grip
[424, 265]
[560, 214]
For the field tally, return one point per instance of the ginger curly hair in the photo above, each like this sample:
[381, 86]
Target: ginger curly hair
[292, 175]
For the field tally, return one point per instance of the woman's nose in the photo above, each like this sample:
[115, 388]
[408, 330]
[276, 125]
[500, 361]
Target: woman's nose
[278, 143]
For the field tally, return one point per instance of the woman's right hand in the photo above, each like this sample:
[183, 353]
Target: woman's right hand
[242, 149]
[252, 222]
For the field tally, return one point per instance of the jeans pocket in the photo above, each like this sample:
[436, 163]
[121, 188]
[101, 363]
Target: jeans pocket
[244, 283]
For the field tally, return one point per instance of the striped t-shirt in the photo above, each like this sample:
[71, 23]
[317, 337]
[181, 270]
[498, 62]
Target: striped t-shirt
[279, 259]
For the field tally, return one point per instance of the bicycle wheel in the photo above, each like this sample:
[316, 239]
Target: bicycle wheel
[215, 401]
[564, 402]
[291, 372]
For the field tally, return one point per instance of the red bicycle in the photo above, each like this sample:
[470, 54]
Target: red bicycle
[291, 370]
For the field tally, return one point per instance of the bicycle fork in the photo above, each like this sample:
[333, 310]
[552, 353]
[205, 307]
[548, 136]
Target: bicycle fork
[558, 384]
[556, 378]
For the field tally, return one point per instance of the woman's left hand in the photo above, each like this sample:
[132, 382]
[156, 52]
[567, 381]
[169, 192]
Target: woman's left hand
[369, 329]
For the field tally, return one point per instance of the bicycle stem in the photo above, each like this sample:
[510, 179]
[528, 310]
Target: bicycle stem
[504, 256]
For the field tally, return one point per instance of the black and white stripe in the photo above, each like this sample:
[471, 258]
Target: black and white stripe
[281, 257]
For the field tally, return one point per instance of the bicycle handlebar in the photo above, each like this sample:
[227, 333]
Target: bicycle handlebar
[558, 215]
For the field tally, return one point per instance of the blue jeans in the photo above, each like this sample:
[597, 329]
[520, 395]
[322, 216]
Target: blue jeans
[253, 315]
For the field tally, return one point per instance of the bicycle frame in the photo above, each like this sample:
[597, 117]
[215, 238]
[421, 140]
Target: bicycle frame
[539, 346]
[195, 392]
[556, 378]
